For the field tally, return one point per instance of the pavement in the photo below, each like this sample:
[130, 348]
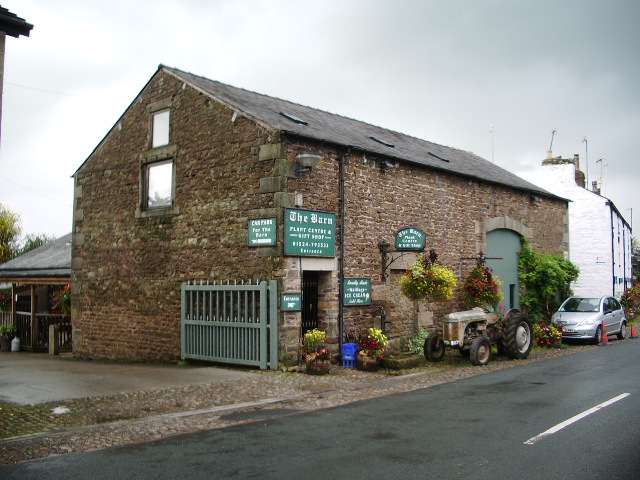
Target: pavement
[52, 405]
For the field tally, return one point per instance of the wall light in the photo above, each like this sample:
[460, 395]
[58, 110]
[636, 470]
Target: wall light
[535, 199]
[384, 164]
[306, 161]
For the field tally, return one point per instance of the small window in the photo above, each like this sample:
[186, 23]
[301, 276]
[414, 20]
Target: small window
[159, 178]
[160, 133]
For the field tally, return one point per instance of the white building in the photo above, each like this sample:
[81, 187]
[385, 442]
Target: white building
[599, 237]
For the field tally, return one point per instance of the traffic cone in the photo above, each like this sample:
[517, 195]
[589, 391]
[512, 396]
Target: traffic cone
[605, 337]
[633, 331]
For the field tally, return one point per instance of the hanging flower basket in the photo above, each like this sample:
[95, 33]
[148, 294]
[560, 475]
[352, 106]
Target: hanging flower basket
[482, 287]
[426, 280]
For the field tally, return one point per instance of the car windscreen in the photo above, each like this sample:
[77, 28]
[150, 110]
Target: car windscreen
[576, 304]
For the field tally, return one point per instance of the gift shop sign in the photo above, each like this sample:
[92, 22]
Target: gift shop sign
[308, 233]
[411, 238]
[262, 232]
[357, 291]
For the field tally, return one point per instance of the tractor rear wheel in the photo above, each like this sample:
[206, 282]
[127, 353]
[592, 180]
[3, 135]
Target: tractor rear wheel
[480, 353]
[518, 337]
[434, 347]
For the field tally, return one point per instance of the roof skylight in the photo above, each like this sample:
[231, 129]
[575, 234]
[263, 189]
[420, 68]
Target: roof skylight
[386, 144]
[293, 118]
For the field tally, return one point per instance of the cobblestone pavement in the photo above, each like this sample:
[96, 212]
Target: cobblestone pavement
[33, 432]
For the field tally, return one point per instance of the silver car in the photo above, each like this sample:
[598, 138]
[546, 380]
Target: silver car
[583, 318]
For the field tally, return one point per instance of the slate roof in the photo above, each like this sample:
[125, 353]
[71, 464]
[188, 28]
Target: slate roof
[51, 260]
[13, 25]
[319, 125]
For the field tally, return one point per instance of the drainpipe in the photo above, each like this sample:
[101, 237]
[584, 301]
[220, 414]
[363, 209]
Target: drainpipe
[341, 261]
[613, 252]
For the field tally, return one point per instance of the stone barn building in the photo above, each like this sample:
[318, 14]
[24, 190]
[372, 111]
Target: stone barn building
[202, 182]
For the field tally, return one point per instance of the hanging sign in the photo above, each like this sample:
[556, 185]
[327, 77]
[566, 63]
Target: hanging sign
[357, 291]
[411, 238]
[291, 302]
[262, 232]
[308, 233]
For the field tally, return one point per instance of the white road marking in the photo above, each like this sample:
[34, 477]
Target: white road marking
[566, 423]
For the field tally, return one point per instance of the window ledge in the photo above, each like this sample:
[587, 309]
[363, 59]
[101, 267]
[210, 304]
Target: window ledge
[157, 212]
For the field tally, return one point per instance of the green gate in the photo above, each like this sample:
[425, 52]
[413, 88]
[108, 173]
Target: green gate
[231, 323]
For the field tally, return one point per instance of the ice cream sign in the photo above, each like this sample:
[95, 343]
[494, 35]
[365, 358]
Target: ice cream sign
[357, 291]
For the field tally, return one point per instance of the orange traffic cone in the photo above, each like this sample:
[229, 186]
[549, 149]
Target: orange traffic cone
[605, 337]
[633, 331]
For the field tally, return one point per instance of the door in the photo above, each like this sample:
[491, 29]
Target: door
[503, 247]
[309, 301]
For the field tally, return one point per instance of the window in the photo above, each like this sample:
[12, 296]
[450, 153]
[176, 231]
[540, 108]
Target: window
[159, 184]
[160, 129]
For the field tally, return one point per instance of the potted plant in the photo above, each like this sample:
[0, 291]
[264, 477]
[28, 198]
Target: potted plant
[317, 357]
[7, 333]
[548, 334]
[371, 350]
[630, 300]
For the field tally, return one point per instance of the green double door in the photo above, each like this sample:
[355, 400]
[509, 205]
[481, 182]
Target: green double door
[503, 247]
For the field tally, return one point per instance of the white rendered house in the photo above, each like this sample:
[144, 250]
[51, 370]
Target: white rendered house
[599, 237]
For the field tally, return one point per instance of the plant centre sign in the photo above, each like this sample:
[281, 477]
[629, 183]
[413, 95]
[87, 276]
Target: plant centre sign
[411, 238]
[309, 233]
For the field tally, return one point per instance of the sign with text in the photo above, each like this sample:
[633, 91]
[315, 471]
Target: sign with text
[309, 233]
[291, 302]
[357, 291]
[262, 232]
[411, 238]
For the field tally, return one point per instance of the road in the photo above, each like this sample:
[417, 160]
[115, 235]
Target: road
[571, 417]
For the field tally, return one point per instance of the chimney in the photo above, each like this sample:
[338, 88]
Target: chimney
[549, 154]
[595, 188]
[580, 177]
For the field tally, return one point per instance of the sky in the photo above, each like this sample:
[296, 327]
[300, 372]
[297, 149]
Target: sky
[504, 79]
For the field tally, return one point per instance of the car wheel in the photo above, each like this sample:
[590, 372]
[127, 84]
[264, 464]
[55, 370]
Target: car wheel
[597, 338]
[622, 334]
[480, 353]
[434, 347]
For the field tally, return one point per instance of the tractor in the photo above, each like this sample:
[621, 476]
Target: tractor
[473, 333]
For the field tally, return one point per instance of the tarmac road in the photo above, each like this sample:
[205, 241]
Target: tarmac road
[475, 427]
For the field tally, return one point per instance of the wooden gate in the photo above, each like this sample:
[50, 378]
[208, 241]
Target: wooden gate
[231, 323]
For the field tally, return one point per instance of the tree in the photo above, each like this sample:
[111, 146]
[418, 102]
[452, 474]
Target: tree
[32, 241]
[10, 229]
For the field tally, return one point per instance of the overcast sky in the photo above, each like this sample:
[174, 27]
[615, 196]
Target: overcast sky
[443, 71]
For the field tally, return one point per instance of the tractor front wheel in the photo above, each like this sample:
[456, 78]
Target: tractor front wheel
[480, 353]
[434, 347]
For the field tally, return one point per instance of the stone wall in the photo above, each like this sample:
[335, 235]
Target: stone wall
[127, 267]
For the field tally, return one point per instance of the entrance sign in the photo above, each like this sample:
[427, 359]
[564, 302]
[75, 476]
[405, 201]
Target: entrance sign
[262, 232]
[357, 291]
[411, 238]
[309, 233]
[291, 302]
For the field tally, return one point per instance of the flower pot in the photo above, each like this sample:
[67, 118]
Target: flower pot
[5, 344]
[318, 367]
[367, 364]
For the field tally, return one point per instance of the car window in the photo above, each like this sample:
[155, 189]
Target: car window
[615, 304]
[577, 304]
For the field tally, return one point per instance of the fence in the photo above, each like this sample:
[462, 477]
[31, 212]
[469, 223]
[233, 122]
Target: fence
[231, 323]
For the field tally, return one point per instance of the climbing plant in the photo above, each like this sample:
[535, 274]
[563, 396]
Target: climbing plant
[545, 281]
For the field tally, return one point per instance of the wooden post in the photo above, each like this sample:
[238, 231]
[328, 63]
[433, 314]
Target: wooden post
[54, 339]
[34, 321]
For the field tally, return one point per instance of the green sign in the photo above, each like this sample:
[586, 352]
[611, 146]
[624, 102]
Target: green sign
[308, 233]
[357, 291]
[411, 238]
[262, 232]
[291, 301]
